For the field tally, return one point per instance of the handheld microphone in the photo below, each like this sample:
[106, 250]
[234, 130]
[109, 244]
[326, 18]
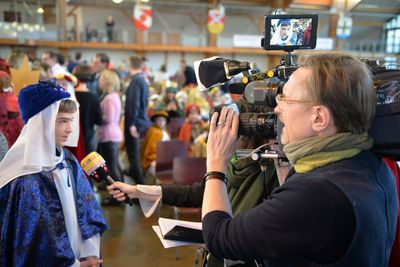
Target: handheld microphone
[96, 168]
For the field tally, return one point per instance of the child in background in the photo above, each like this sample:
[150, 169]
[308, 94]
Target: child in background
[156, 133]
[192, 127]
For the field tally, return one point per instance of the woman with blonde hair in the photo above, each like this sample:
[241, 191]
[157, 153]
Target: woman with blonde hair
[109, 134]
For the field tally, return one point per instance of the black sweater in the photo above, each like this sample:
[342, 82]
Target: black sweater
[312, 218]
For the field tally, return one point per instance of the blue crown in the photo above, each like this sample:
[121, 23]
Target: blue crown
[36, 97]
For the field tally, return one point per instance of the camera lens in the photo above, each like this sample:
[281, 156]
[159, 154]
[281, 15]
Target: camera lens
[258, 124]
[273, 88]
[263, 92]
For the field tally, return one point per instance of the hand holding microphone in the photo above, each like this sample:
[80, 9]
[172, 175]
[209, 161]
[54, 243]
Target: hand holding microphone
[96, 168]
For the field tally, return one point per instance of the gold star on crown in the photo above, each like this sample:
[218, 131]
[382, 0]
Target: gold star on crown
[24, 76]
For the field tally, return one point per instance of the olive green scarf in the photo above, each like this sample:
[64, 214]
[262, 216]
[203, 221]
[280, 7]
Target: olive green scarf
[311, 153]
[246, 183]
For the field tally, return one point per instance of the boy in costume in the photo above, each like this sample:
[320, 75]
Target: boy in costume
[48, 213]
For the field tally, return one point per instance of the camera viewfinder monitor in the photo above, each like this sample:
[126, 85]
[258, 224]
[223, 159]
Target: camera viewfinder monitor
[290, 32]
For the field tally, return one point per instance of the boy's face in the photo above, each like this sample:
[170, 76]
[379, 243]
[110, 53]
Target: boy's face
[285, 28]
[63, 127]
[161, 122]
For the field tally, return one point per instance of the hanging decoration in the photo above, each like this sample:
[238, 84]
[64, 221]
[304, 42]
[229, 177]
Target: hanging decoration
[142, 17]
[216, 20]
[344, 26]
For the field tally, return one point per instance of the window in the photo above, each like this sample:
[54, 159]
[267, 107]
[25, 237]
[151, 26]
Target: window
[393, 35]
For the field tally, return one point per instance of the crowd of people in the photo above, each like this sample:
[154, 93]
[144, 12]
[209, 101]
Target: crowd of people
[336, 203]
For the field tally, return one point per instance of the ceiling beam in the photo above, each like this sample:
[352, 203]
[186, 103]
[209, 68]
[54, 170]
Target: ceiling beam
[390, 10]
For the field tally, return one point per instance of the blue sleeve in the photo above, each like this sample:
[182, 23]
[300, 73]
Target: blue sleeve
[31, 228]
[129, 105]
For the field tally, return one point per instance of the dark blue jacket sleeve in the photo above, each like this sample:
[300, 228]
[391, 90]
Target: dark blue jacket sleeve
[131, 104]
[136, 101]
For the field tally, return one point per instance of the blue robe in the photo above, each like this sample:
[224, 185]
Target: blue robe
[32, 227]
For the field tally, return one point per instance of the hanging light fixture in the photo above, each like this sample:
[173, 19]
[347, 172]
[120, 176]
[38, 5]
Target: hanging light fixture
[40, 10]
[117, 1]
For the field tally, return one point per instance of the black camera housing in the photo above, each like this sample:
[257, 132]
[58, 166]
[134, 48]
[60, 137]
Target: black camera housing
[301, 20]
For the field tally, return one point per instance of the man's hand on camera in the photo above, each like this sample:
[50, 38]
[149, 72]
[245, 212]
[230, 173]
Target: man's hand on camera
[222, 139]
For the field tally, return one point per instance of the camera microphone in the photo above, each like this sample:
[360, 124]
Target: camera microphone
[96, 168]
[234, 67]
[216, 71]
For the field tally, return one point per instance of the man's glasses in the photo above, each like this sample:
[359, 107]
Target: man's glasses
[282, 98]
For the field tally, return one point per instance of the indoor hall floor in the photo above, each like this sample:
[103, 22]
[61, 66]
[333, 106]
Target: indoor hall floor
[131, 241]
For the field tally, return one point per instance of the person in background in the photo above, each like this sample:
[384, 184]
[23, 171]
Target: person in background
[74, 63]
[161, 75]
[192, 127]
[100, 62]
[170, 104]
[136, 119]
[45, 72]
[10, 117]
[49, 215]
[156, 133]
[109, 134]
[50, 58]
[110, 28]
[188, 72]
[146, 70]
[154, 100]
[89, 108]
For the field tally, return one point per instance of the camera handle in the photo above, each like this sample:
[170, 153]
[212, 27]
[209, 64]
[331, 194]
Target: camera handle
[262, 158]
[263, 168]
[287, 60]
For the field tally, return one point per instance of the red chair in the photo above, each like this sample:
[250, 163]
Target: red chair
[187, 171]
[166, 151]
[394, 260]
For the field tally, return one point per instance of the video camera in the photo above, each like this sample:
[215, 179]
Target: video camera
[261, 88]
[288, 33]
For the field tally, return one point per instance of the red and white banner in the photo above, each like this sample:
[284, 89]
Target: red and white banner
[142, 17]
[216, 20]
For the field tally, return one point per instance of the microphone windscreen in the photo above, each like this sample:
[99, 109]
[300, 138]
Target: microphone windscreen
[92, 162]
[210, 72]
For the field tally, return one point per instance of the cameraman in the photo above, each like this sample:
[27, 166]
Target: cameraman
[338, 204]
